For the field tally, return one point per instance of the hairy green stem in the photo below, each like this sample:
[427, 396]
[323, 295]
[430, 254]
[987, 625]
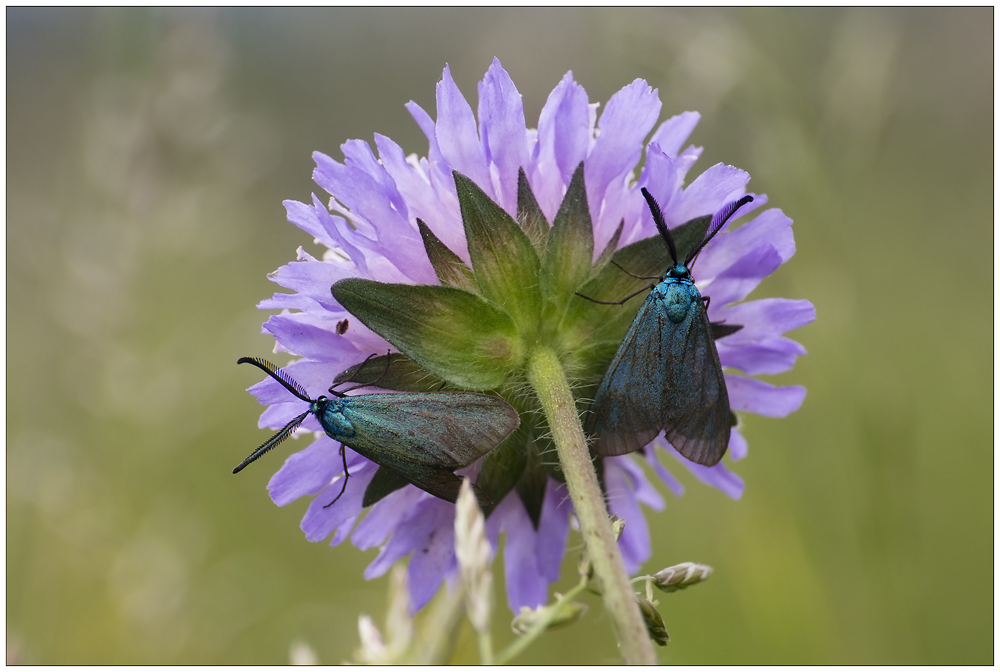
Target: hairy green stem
[546, 376]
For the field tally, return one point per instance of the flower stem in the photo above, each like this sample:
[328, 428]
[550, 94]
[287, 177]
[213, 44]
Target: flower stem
[522, 642]
[485, 648]
[546, 376]
[441, 624]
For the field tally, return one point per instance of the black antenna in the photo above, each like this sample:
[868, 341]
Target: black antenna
[279, 375]
[718, 221]
[661, 224]
[272, 442]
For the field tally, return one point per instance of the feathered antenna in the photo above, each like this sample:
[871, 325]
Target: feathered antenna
[661, 224]
[279, 375]
[718, 221]
[272, 442]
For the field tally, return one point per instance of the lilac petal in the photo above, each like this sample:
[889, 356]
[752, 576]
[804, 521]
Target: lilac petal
[619, 205]
[627, 119]
[437, 210]
[327, 229]
[687, 159]
[434, 556]
[385, 516]
[363, 340]
[340, 232]
[277, 416]
[418, 525]
[342, 532]
[306, 472]
[457, 135]
[675, 131]
[734, 283]
[663, 177]
[711, 190]
[660, 177]
[321, 520]
[675, 486]
[303, 216]
[737, 445]
[718, 477]
[434, 166]
[756, 396]
[359, 159]
[526, 587]
[494, 525]
[502, 128]
[771, 227]
[553, 530]
[299, 334]
[370, 197]
[623, 482]
[563, 142]
[426, 125]
[765, 318]
[281, 301]
[313, 279]
[775, 355]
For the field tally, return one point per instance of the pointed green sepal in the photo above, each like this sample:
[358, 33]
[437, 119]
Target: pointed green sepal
[569, 253]
[503, 467]
[721, 329]
[531, 487]
[503, 259]
[383, 483]
[452, 333]
[448, 266]
[531, 217]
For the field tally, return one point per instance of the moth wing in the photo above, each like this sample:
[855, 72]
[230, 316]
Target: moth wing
[695, 404]
[449, 430]
[439, 482]
[624, 416]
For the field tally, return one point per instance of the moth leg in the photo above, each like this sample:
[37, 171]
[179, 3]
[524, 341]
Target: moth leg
[706, 300]
[617, 303]
[388, 354]
[641, 277]
[347, 475]
[356, 387]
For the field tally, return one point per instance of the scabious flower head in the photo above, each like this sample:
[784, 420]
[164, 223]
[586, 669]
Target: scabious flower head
[568, 185]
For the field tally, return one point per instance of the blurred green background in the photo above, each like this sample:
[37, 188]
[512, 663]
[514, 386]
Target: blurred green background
[149, 151]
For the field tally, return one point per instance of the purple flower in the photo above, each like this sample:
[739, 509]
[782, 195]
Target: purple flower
[369, 230]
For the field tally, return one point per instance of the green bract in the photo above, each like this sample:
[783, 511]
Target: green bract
[476, 330]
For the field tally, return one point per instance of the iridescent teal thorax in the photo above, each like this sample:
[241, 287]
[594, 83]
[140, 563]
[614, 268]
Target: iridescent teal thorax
[330, 413]
[677, 292]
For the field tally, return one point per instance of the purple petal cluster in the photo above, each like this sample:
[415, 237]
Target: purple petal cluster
[368, 229]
